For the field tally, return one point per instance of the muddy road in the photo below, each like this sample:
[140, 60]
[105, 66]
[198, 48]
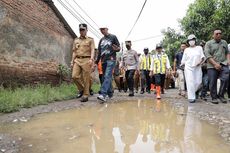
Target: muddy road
[122, 125]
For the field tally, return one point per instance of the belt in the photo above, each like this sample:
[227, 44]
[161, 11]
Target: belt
[83, 57]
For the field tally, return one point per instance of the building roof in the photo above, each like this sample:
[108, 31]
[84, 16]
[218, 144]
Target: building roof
[61, 18]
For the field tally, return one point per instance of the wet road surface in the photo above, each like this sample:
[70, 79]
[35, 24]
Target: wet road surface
[123, 127]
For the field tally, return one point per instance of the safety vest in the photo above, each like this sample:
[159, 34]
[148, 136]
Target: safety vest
[160, 62]
[145, 62]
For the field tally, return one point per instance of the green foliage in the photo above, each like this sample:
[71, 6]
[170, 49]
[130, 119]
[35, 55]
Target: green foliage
[203, 16]
[26, 97]
[171, 42]
[63, 72]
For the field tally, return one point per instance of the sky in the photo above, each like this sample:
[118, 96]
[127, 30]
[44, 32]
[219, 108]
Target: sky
[119, 16]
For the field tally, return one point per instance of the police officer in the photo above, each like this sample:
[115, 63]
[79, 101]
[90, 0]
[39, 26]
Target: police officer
[82, 62]
[144, 66]
[158, 67]
[130, 63]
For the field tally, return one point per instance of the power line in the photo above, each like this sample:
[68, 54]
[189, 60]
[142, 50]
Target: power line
[147, 38]
[76, 17]
[86, 13]
[82, 17]
[136, 19]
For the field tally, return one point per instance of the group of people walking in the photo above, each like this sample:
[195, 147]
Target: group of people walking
[201, 66]
[152, 68]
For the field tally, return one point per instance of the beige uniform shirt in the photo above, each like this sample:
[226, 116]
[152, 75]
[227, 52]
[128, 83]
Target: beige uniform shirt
[82, 47]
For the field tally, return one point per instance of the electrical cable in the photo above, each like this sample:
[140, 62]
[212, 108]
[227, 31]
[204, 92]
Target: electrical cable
[76, 17]
[86, 13]
[82, 18]
[136, 19]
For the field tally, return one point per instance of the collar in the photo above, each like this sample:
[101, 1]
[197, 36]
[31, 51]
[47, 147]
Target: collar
[85, 37]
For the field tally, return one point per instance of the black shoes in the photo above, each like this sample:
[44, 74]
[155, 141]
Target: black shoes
[80, 94]
[142, 92]
[131, 93]
[91, 92]
[215, 101]
[223, 100]
[84, 99]
[192, 101]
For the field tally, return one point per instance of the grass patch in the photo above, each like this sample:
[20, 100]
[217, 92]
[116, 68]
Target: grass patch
[26, 97]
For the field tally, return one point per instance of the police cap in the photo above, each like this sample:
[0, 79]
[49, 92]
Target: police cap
[83, 26]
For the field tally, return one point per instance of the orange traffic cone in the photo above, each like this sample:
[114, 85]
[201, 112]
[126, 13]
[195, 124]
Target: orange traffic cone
[158, 90]
[152, 87]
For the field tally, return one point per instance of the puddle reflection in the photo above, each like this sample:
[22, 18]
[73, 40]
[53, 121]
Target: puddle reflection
[125, 127]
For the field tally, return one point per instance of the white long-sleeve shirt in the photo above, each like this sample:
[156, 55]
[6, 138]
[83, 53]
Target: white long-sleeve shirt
[192, 56]
[157, 55]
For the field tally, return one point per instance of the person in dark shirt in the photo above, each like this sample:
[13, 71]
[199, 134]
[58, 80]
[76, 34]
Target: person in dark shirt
[180, 70]
[204, 88]
[107, 48]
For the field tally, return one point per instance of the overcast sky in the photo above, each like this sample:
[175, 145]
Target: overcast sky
[120, 15]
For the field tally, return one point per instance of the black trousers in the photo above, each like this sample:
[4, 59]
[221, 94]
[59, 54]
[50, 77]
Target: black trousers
[129, 76]
[145, 80]
[160, 80]
[213, 75]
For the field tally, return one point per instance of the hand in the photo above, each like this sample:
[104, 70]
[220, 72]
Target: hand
[151, 73]
[71, 64]
[217, 66]
[91, 62]
[115, 47]
[93, 67]
[173, 72]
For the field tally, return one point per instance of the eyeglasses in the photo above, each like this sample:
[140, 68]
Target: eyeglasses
[218, 33]
[81, 29]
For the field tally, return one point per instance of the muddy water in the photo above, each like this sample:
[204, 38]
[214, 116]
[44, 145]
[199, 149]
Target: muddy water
[125, 127]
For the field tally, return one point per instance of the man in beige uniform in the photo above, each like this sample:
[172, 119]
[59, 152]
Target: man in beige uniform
[82, 62]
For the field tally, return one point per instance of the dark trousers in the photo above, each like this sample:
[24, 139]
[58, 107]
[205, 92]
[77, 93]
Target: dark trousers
[213, 75]
[160, 80]
[204, 88]
[101, 78]
[145, 80]
[129, 75]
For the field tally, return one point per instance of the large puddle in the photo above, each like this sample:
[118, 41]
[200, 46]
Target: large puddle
[124, 127]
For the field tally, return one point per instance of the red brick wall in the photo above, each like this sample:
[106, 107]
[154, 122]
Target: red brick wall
[33, 42]
[36, 14]
[14, 73]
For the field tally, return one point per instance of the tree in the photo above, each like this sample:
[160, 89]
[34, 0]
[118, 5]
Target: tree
[171, 42]
[203, 16]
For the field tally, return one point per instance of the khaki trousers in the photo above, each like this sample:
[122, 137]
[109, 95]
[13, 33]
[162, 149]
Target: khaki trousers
[81, 75]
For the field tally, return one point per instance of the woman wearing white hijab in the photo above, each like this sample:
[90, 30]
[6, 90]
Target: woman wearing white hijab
[192, 59]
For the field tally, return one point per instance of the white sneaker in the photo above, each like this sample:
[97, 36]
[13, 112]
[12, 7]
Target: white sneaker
[102, 98]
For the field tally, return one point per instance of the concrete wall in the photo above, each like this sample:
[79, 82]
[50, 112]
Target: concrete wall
[33, 42]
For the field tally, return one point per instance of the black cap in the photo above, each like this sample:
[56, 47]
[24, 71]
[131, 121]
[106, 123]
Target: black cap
[146, 48]
[83, 26]
[158, 46]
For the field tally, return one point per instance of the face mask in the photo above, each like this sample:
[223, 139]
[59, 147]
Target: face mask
[128, 47]
[192, 42]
